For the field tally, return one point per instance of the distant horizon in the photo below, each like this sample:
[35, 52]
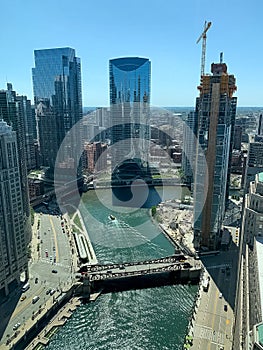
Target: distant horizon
[173, 106]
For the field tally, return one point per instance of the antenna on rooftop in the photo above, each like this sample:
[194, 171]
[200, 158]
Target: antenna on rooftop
[221, 57]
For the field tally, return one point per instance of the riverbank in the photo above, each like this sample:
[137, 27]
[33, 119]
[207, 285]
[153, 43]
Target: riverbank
[131, 312]
[176, 225]
[57, 321]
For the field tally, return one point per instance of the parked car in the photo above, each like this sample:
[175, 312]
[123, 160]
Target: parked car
[54, 271]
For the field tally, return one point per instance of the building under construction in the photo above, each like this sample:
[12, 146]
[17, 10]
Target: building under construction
[216, 111]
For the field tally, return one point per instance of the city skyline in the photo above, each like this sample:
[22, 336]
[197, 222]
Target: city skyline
[165, 34]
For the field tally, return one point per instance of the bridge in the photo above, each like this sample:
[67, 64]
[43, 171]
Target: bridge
[142, 274]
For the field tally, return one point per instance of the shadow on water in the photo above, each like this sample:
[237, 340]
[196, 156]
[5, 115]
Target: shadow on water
[122, 196]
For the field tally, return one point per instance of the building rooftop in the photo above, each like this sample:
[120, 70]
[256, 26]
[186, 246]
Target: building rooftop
[260, 333]
[259, 250]
[4, 127]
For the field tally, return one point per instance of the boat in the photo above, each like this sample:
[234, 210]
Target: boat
[112, 217]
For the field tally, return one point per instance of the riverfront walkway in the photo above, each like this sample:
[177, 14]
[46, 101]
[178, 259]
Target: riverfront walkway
[59, 320]
[82, 238]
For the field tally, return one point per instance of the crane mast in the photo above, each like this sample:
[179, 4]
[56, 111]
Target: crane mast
[203, 36]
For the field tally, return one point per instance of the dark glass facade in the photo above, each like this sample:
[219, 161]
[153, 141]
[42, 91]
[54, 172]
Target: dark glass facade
[57, 95]
[129, 109]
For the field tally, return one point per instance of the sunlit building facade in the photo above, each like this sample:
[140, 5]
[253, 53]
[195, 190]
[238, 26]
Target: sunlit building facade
[216, 108]
[57, 87]
[13, 227]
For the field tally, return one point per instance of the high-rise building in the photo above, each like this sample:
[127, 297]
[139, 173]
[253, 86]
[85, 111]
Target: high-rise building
[95, 160]
[57, 95]
[25, 109]
[216, 109]
[249, 298]
[13, 231]
[129, 111]
[189, 147]
[254, 163]
[260, 125]
[13, 110]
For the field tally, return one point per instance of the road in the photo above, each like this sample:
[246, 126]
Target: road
[51, 251]
[214, 321]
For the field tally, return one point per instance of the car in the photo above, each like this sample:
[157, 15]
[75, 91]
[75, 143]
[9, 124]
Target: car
[23, 298]
[220, 295]
[225, 307]
[54, 271]
[35, 299]
[51, 258]
[48, 291]
[36, 280]
[52, 291]
[16, 326]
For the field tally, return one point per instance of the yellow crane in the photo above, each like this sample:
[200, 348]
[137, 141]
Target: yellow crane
[203, 36]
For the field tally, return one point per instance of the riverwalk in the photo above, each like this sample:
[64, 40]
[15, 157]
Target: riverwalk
[58, 320]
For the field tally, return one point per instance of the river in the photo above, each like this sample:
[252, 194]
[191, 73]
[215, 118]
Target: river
[150, 319]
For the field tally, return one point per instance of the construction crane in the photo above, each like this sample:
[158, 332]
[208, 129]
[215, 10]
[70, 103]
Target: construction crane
[203, 36]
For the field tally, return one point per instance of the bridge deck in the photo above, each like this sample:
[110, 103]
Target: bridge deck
[113, 271]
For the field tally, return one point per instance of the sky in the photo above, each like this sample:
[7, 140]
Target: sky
[163, 31]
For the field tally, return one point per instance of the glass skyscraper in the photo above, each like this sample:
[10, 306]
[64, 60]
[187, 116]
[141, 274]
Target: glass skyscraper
[58, 99]
[129, 113]
[216, 110]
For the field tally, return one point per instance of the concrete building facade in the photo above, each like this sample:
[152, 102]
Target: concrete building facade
[13, 230]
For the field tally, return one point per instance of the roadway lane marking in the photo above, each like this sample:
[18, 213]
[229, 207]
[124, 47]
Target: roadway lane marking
[207, 333]
[55, 238]
[26, 302]
[214, 313]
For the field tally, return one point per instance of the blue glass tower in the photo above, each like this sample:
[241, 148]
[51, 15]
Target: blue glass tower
[57, 95]
[129, 107]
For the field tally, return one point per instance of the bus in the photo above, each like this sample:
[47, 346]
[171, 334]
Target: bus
[207, 253]
[25, 287]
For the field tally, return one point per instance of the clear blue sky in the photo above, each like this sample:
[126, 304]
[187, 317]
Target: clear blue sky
[163, 31]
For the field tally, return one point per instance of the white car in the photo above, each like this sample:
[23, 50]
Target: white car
[220, 295]
[16, 326]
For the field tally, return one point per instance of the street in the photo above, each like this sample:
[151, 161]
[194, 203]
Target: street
[215, 318]
[51, 272]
